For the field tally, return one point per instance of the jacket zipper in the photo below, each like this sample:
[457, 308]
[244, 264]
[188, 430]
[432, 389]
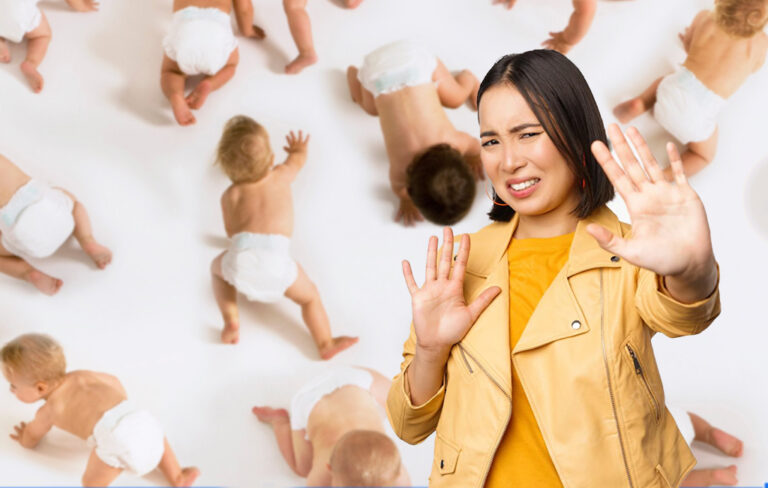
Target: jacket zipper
[509, 397]
[466, 361]
[639, 372]
[608, 377]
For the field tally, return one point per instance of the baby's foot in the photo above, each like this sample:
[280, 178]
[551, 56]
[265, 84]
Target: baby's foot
[629, 110]
[5, 54]
[187, 477]
[724, 441]
[352, 3]
[301, 62]
[197, 98]
[231, 333]
[46, 284]
[33, 76]
[181, 112]
[257, 33]
[270, 415]
[337, 345]
[100, 255]
[352, 83]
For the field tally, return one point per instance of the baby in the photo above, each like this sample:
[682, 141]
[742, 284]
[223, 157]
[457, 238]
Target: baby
[201, 42]
[433, 166]
[693, 427]
[22, 19]
[578, 25]
[35, 220]
[90, 405]
[258, 217]
[334, 435]
[724, 47]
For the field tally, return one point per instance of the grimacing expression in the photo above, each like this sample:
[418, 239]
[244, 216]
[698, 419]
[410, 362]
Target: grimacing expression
[527, 171]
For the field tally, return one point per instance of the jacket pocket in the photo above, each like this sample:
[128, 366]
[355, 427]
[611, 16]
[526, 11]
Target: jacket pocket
[446, 455]
[642, 378]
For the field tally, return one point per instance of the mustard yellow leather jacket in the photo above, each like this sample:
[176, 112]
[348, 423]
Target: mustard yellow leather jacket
[586, 364]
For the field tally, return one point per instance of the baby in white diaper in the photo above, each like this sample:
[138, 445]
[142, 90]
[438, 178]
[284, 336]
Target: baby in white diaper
[35, 220]
[433, 166]
[334, 434]
[725, 46]
[201, 42]
[258, 217]
[22, 19]
[92, 406]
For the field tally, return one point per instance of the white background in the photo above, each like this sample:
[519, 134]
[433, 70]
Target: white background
[102, 129]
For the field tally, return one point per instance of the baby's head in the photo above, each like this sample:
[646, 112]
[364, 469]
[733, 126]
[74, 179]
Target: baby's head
[441, 184]
[33, 364]
[366, 458]
[741, 18]
[244, 152]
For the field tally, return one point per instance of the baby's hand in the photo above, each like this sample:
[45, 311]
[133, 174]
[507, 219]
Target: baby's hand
[296, 145]
[84, 5]
[19, 432]
[408, 212]
[557, 43]
[507, 3]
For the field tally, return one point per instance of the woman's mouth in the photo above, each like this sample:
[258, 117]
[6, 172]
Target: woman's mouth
[522, 189]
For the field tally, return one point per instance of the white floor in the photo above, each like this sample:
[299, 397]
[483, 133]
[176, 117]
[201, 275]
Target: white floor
[102, 129]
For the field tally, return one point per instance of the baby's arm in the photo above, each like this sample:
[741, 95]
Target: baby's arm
[84, 5]
[244, 15]
[29, 435]
[578, 26]
[297, 154]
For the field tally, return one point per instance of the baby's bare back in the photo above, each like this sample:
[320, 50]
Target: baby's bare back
[80, 401]
[721, 61]
[224, 5]
[11, 179]
[263, 207]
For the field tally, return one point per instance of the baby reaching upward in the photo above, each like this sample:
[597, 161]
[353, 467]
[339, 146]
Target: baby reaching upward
[724, 48]
[35, 220]
[433, 166]
[22, 19]
[258, 217]
[201, 42]
[92, 406]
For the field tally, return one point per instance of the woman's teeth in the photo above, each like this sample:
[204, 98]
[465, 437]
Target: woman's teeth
[525, 184]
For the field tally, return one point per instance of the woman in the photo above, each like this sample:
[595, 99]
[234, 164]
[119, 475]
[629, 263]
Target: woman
[532, 357]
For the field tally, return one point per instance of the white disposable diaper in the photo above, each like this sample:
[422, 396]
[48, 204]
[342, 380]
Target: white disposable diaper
[36, 221]
[200, 40]
[128, 438]
[337, 377]
[684, 423]
[396, 66]
[686, 108]
[259, 265]
[17, 17]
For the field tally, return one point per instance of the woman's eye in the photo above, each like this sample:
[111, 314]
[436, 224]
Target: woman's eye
[528, 135]
[490, 142]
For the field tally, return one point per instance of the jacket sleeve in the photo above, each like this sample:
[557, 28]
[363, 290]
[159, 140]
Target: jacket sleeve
[664, 314]
[412, 423]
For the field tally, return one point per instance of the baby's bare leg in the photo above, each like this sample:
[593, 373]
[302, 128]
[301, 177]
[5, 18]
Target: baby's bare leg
[98, 473]
[454, 91]
[18, 268]
[301, 31]
[699, 154]
[725, 442]
[296, 450]
[305, 293]
[5, 54]
[101, 255]
[197, 98]
[710, 477]
[226, 299]
[359, 94]
[244, 17]
[37, 45]
[172, 83]
[175, 474]
[634, 107]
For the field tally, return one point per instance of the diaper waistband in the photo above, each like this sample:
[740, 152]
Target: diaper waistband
[702, 91]
[32, 192]
[111, 418]
[249, 240]
[204, 13]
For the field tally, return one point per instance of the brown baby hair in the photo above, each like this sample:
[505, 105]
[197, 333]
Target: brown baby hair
[35, 357]
[244, 152]
[741, 18]
[441, 184]
[365, 458]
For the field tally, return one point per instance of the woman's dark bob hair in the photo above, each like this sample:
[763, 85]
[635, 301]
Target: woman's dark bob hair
[561, 100]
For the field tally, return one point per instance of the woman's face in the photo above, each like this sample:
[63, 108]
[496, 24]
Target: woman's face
[527, 171]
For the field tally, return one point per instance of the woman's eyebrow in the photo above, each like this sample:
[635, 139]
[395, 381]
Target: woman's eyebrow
[514, 129]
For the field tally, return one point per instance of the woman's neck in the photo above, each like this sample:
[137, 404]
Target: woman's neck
[551, 224]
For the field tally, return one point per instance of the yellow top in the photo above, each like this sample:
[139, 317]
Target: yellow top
[522, 459]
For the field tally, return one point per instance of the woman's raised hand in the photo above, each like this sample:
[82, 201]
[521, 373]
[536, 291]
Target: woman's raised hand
[441, 317]
[670, 232]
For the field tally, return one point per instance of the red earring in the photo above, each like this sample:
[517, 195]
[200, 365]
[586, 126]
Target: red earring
[488, 194]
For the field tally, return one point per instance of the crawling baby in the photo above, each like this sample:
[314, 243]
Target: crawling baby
[35, 220]
[92, 406]
[201, 42]
[433, 166]
[258, 218]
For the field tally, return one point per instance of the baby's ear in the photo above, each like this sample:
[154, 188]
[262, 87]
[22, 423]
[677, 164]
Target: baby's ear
[41, 387]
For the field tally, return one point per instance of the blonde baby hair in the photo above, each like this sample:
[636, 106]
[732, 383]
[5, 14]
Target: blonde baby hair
[365, 458]
[741, 18]
[35, 357]
[244, 152]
